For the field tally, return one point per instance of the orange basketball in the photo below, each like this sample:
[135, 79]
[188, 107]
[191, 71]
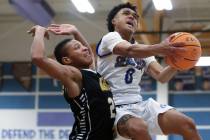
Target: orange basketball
[187, 59]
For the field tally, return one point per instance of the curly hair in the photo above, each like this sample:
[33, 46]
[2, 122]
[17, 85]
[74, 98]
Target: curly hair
[59, 51]
[114, 11]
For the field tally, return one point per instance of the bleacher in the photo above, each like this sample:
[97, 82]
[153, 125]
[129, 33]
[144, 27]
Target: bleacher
[45, 97]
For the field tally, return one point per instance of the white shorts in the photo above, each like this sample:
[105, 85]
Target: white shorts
[147, 110]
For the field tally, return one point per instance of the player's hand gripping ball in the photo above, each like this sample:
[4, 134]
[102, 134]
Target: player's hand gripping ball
[187, 59]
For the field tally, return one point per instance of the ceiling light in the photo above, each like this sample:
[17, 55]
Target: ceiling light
[39, 11]
[83, 6]
[203, 61]
[163, 4]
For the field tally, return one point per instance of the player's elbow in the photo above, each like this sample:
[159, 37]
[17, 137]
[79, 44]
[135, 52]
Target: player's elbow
[37, 59]
[162, 81]
[160, 78]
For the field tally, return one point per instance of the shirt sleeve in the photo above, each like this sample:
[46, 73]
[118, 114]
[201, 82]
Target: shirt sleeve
[108, 42]
[148, 61]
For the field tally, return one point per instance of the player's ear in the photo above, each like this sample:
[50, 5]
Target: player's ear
[66, 60]
[113, 21]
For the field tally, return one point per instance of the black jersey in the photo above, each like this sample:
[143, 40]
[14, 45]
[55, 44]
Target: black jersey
[94, 109]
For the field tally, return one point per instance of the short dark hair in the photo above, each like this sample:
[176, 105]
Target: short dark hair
[58, 51]
[114, 11]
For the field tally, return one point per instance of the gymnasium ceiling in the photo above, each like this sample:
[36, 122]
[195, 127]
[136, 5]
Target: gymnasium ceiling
[187, 15]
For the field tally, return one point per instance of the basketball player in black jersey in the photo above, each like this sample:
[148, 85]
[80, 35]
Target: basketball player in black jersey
[87, 93]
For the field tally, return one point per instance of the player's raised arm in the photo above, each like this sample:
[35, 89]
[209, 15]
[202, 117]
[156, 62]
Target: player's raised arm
[141, 50]
[68, 75]
[69, 29]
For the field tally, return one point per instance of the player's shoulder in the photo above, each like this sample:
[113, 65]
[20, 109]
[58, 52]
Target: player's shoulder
[111, 35]
[106, 39]
[71, 72]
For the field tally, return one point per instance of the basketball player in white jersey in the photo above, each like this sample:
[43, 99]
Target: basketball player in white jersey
[122, 62]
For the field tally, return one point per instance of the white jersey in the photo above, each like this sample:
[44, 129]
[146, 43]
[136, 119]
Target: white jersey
[122, 73]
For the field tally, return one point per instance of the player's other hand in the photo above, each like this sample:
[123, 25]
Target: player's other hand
[62, 29]
[38, 30]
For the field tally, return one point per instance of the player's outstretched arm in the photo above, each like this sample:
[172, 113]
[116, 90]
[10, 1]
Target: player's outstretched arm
[69, 29]
[141, 51]
[68, 75]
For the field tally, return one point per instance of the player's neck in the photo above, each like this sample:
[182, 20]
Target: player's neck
[80, 67]
[126, 35]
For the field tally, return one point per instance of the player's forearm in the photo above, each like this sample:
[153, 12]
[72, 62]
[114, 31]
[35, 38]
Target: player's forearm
[166, 74]
[78, 36]
[142, 51]
[37, 47]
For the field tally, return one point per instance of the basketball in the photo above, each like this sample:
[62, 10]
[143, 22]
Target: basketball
[189, 58]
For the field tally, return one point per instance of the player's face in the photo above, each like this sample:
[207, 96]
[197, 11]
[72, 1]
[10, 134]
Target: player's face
[126, 19]
[79, 55]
